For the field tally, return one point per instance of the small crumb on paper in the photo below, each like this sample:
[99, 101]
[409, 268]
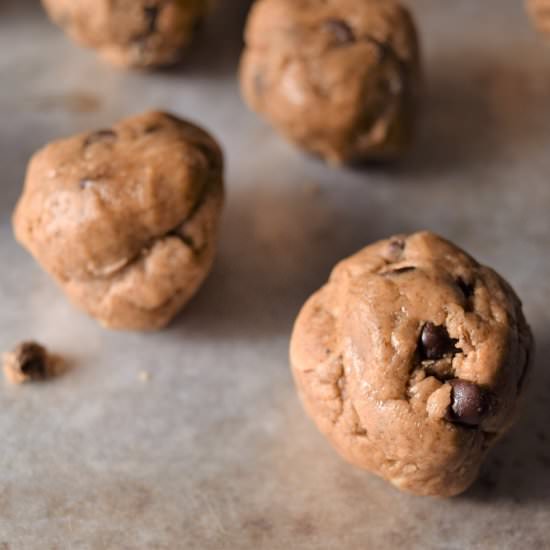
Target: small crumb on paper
[30, 362]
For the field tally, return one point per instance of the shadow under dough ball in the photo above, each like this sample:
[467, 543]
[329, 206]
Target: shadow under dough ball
[539, 10]
[339, 78]
[411, 360]
[125, 219]
[130, 33]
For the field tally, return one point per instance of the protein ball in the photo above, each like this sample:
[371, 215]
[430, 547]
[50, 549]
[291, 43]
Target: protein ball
[125, 219]
[411, 360]
[339, 78]
[130, 33]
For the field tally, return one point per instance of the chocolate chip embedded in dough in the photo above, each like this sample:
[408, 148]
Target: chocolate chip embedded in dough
[466, 288]
[469, 403]
[435, 342]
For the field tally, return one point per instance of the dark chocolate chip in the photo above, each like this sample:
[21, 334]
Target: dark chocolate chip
[151, 17]
[466, 288]
[435, 342]
[100, 135]
[469, 403]
[341, 30]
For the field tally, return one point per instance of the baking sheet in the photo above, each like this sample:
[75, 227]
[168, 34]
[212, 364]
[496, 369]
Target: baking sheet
[213, 451]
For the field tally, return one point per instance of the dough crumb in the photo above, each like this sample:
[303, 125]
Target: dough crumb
[29, 362]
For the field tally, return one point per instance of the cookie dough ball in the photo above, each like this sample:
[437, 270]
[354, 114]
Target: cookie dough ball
[411, 360]
[337, 77]
[130, 33]
[539, 10]
[125, 219]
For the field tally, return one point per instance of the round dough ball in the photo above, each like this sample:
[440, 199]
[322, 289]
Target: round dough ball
[539, 10]
[130, 33]
[125, 219]
[411, 360]
[337, 77]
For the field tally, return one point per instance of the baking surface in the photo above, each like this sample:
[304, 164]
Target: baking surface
[213, 451]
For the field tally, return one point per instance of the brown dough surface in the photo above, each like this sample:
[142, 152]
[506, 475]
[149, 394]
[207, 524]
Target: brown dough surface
[125, 219]
[337, 77]
[130, 33]
[540, 14]
[411, 360]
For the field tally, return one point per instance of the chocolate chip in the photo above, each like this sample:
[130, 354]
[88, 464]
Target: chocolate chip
[100, 135]
[469, 403]
[466, 288]
[151, 16]
[341, 30]
[435, 342]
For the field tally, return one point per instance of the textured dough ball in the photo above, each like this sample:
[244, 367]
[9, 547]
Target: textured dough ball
[125, 219]
[539, 10]
[337, 77]
[130, 33]
[411, 360]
